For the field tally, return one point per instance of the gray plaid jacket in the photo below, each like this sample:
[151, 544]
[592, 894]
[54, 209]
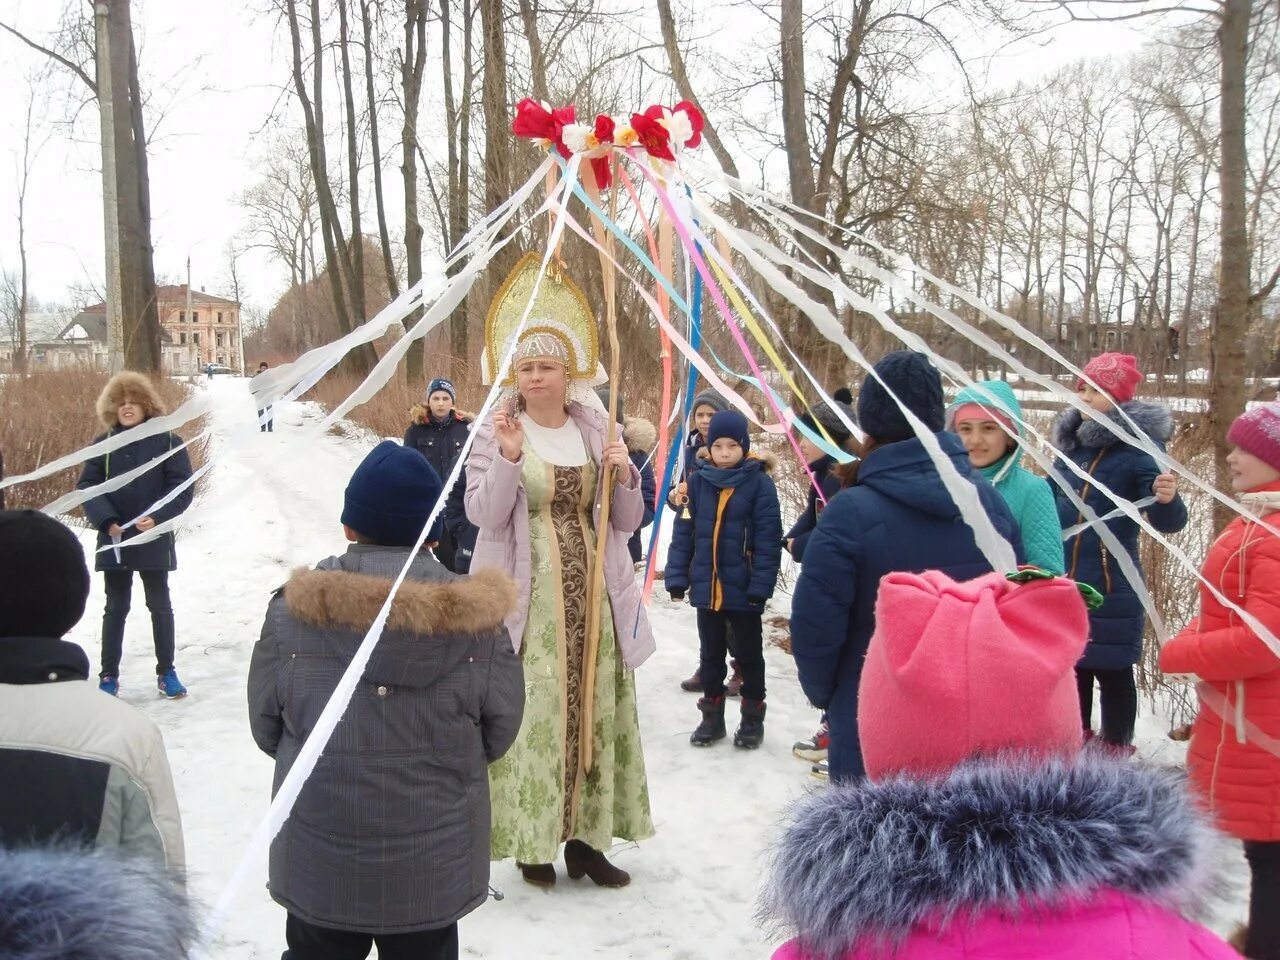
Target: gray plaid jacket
[390, 833]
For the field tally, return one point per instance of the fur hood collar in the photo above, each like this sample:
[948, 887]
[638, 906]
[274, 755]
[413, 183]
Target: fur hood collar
[1071, 430]
[768, 461]
[420, 415]
[640, 435]
[66, 902]
[865, 862]
[128, 385]
[345, 600]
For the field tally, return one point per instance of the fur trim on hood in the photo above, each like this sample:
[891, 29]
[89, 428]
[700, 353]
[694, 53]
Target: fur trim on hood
[336, 598]
[419, 414]
[866, 862]
[1072, 431]
[128, 386]
[67, 902]
[640, 435]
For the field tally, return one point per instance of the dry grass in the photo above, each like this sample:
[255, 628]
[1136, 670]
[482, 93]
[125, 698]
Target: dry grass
[50, 414]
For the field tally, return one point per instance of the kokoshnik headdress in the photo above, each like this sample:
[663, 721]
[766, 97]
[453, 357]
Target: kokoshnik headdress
[561, 325]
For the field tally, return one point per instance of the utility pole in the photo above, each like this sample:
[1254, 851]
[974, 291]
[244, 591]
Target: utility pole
[190, 319]
[110, 203]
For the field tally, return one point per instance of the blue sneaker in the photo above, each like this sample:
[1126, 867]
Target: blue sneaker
[170, 686]
[110, 685]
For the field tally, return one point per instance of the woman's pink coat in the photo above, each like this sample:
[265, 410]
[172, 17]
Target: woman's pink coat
[496, 503]
[1107, 926]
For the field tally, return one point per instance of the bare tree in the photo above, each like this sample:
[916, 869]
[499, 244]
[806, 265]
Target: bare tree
[342, 284]
[73, 50]
[412, 67]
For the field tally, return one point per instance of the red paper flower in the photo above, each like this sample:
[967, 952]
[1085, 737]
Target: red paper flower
[536, 121]
[652, 133]
[604, 128]
[695, 121]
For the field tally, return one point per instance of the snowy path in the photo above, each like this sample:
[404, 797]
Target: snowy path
[271, 504]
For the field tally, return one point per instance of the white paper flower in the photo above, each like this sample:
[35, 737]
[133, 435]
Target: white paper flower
[679, 126]
[578, 137]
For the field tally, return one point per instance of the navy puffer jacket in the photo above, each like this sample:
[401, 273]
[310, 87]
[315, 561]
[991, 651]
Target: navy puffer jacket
[1115, 628]
[440, 441]
[726, 548]
[897, 517]
[135, 497]
[824, 472]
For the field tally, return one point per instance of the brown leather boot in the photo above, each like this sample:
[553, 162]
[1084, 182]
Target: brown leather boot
[733, 688]
[538, 874]
[586, 861]
[694, 683]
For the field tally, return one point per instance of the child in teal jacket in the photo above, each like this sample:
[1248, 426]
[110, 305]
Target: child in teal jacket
[976, 414]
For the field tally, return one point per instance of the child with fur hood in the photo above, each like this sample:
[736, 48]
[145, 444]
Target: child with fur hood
[705, 406]
[439, 431]
[725, 552]
[982, 829]
[1127, 471]
[388, 842]
[1232, 760]
[125, 514]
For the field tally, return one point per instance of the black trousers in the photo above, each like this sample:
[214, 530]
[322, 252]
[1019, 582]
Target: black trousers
[714, 627]
[155, 586]
[307, 942]
[1119, 702]
[1263, 940]
[268, 425]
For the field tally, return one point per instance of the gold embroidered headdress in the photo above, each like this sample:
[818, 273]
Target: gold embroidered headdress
[561, 325]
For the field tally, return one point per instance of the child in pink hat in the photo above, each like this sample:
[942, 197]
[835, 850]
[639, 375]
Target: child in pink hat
[1112, 467]
[1233, 759]
[983, 830]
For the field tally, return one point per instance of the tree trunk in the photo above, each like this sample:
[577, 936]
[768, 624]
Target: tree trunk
[671, 42]
[497, 128]
[537, 62]
[148, 332]
[384, 235]
[457, 118]
[360, 360]
[356, 247]
[1230, 323]
[415, 55]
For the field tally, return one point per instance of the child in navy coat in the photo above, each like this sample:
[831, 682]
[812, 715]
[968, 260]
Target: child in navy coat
[725, 552]
[129, 400]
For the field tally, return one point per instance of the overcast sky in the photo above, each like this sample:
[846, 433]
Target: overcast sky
[222, 64]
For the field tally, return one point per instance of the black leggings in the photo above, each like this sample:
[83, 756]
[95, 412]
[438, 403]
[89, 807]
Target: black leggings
[1119, 702]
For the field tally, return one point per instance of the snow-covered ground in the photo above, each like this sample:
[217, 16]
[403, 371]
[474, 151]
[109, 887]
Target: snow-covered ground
[271, 504]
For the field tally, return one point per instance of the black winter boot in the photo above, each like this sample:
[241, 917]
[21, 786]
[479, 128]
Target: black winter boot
[711, 728]
[750, 732]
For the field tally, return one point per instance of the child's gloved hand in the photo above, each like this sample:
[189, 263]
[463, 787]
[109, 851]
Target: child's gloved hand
[757, 601]
[677, 595]
[1165, 488]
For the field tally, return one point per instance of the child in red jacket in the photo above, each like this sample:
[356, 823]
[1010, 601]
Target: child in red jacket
[1234, 760]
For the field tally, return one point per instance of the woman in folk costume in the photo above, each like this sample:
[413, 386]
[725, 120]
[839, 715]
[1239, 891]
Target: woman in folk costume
[534, 489]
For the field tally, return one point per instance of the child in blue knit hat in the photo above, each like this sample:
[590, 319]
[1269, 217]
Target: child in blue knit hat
[725, 552]
[382, 847]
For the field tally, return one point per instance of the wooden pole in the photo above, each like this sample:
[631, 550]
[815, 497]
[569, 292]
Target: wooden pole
[595, 595]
